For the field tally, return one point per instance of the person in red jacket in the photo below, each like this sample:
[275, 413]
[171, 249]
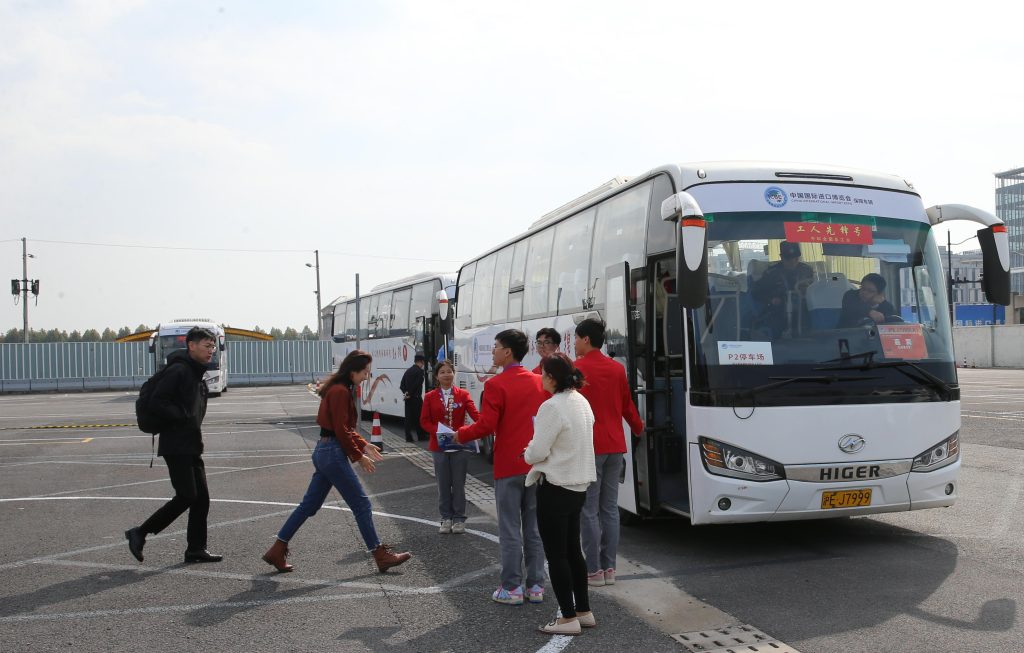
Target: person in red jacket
[606, 388]
[340, 446]
[448, 405]
[510, 402]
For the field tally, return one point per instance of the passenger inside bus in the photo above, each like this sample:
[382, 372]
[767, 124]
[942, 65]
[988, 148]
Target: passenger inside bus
[867, 303]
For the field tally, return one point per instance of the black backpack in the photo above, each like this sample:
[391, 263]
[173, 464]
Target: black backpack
[148, 421]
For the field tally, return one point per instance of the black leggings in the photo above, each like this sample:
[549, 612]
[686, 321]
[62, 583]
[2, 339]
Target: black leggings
[558, 520]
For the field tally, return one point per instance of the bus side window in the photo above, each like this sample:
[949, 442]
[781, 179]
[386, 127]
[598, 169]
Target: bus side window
[464, 302]
[568, 290]
[422, 302]
[400, 312]
[338, 331]
[482, 299]
[368, 317]
[516, 281]
[620, 234]
[383, 313]
[538, 267]
[499, 300]
[350, 320]
[661, 235]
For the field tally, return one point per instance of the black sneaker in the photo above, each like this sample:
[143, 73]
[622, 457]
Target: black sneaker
[136, 540]
[202, 556]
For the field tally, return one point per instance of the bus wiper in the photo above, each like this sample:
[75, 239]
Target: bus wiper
[779, 381]
[943, 389]
[868, 356]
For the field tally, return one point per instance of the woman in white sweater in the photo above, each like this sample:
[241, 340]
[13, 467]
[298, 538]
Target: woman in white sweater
[562, 455]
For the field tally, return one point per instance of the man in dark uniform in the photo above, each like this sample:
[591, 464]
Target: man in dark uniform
[412, 391]
[780, 290]
[179, 400]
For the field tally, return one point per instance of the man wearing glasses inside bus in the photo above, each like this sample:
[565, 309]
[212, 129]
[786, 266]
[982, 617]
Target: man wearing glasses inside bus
[867, 303]
[779, 292]
[547, 344]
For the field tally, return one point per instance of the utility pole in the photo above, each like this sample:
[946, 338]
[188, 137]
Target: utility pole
[359, 322]
[319, 318]
[24, 286]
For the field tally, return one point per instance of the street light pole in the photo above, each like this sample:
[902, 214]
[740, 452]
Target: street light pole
[319, 318]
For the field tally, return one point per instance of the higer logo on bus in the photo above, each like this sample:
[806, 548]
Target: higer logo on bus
[850, 473]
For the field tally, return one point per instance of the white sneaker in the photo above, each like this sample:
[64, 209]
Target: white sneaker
[609, 576]
[446, 527]
[586, 620]
[555, 628]
[458, 528]
[596, 579]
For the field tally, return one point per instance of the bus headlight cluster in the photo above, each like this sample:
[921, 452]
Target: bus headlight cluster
[727, 460]
[940, 455]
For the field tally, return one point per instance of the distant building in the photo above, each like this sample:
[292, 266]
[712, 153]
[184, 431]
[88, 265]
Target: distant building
[1010, 209]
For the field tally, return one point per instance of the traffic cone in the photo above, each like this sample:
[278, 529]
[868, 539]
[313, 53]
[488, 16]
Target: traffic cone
[376, 438]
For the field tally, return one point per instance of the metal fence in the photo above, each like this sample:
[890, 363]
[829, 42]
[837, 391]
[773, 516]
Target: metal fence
[120, 366]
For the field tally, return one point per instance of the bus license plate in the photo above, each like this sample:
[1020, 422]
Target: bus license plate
[846, 499]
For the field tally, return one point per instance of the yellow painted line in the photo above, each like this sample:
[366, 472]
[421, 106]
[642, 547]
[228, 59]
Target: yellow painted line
[75, 426]
[86, 440]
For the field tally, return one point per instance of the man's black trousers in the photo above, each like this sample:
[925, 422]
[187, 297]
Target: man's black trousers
[188, 477]
[413, 408]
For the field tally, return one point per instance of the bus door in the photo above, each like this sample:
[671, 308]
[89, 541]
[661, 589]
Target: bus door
[618, 339]
[665, 417]
[424, 342]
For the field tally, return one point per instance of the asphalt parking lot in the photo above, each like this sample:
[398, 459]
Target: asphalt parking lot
[72, 480]
[71, 487]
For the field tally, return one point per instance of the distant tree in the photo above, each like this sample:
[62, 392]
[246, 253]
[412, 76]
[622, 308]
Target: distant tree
[276, 333]
[13, 335]
[124, 331]
[291, 334]
[308, 334]
[141, 327]
[90, 335]
[109, 335]
[258, 330]
[55, 335]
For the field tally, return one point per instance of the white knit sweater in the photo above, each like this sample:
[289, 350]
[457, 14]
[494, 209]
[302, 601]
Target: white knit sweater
[563, 442]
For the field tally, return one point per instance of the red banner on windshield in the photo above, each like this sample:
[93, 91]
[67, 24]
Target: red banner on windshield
[818, 232]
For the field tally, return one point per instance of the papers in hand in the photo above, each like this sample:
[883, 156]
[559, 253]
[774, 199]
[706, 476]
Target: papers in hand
[447, 442]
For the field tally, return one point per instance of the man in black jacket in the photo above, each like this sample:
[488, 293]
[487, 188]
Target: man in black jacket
[412, 391]
[180, 402]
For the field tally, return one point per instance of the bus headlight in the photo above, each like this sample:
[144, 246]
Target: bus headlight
[727, 460]
[942, 454]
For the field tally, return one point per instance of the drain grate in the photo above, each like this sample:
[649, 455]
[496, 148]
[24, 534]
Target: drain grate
[732, 639]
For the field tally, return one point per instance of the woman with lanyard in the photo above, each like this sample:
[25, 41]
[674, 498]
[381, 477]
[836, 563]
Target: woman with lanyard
[446, 406]
[340, 446]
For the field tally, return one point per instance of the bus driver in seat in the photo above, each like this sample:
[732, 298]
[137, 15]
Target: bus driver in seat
[779, 292]
[867, 302]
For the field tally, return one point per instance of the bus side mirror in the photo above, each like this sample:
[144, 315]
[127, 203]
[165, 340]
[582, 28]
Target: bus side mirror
[691, 248]
[442, 304]
[995, 251]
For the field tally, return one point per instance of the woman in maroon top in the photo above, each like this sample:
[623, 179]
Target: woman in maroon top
[339, 444]
[448, 405]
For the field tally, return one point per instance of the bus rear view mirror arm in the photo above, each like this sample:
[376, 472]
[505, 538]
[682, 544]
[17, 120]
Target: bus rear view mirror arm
[995, 247]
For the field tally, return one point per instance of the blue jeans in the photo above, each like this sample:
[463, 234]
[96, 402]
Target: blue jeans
[333, 469]
[599, 523]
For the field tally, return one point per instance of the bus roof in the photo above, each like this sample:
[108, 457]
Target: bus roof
[183, 325]
[687, 175]
[446, 279]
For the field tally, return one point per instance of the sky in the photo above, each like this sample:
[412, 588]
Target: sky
[138, 138]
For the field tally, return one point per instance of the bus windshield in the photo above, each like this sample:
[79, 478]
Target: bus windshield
[168, 344]
[821, 308]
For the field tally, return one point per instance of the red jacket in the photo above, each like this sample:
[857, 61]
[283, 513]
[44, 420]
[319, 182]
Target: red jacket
[338, 414]
[511, 400]
[433, 412]
[606, 388]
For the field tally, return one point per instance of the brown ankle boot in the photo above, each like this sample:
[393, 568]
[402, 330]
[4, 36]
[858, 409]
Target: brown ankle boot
[386, 558]
[276, 556]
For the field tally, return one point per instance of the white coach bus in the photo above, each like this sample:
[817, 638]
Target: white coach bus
[170, 336]
[397, 320]
[760, 402]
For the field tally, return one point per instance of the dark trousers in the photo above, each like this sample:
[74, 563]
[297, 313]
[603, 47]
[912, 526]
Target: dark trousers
[188, 478]
[558, 520]
[413, 408]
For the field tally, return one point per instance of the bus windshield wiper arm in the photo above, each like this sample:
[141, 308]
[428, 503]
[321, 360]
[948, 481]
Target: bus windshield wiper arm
[868, 356]
[943, 389]
[779, 381]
